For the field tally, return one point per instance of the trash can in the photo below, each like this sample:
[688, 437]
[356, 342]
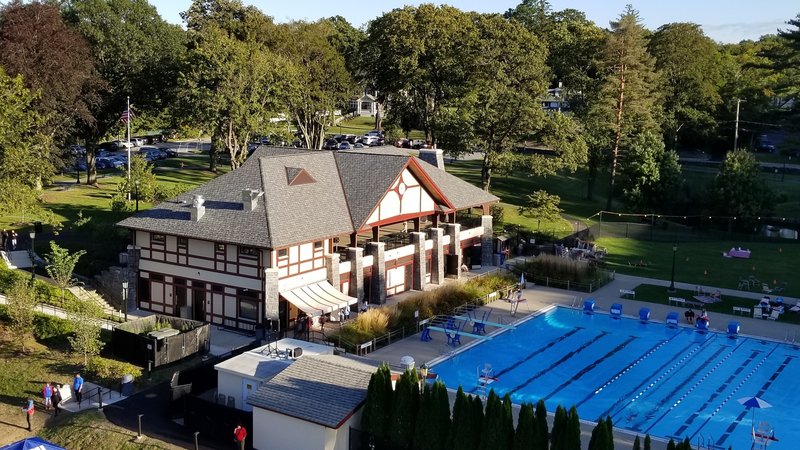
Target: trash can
[127, 385]
[407, 362]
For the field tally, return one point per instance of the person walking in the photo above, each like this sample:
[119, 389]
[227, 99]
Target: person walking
[13, 240]
[56, 399]
[3, 237]
[47, 393]
[28, 410]
[239, 436]
[77, 388]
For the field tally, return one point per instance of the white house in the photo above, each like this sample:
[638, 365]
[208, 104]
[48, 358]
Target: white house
[366, 105]
[240, 376]
[311, 405]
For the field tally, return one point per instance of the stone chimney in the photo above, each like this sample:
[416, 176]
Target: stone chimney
[198, 210]
[432, 156]
[250, 199]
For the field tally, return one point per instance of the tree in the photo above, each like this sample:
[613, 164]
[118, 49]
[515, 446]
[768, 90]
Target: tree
[493, 432]
[647, 442]
[60, 265]
[404, 410]
[526, 434]
[610, 429]
[627, 102]
[558, 436]
[541, 206]
[671, 445]
[461, 433]
[21, 308]
[572, 436]
[423, 430]
[541, 426]
[86, 337]
[137, 54]
[599, 439]
[440, 404]
[375, 419]
[651, 178]
[738, 189]
[688, 63]
[637, 443]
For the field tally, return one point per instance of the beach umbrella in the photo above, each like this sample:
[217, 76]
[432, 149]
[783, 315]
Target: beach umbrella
[522, 280]
[32, 443]
[753, 403]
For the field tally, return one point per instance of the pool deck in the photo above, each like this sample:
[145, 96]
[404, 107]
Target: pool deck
[538, 298]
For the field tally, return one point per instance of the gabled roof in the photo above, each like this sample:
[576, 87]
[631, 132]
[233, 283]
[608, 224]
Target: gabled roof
[325, 389]
[308, 195]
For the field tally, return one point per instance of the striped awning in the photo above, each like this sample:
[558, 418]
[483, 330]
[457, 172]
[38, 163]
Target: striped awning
[318, 298]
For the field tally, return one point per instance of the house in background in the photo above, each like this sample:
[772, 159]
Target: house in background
[294, 233]
[312, 404]
[366, 105]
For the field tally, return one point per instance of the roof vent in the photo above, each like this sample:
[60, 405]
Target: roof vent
[250, 199]
[198, 210]
[296, 176]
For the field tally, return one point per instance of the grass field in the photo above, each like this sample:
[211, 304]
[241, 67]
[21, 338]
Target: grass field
[361, 125]
[90, 430]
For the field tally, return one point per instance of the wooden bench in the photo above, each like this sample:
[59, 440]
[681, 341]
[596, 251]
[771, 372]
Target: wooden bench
[624, 292]
[741, 311]
[677, 301]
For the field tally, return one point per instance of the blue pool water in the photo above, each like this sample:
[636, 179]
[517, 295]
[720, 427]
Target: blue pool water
[650, 378]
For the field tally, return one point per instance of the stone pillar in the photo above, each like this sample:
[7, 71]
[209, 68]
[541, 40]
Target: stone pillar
[454, 231]
[486, 241]
[271, 296]
[378, 285]
[418, 277]
[437, 255]
[332, 270]
[356, 257]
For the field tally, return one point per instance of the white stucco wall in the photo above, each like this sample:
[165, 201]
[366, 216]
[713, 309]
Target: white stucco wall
[273, 431]
[231, 385]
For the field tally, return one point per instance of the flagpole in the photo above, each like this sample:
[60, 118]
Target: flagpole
[128, 126]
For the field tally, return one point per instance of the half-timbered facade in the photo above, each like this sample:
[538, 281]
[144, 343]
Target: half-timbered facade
[295, 231]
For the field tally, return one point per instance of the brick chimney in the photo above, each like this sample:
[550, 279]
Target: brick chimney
[198, 210]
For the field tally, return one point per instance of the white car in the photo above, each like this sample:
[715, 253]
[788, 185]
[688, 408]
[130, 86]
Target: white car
[137, 142]
[369, 140]
[123, 145]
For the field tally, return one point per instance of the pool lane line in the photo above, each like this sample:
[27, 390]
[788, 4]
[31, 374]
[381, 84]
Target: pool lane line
[722, 387]
[675, 364]
[622, 372]
[531, 355]
[560, 361]
[591, 366]
[760, 393]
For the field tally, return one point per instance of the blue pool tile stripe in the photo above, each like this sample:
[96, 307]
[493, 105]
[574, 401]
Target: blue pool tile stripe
[591, 366]
[563, 359]
[760, 393]
[622, 372]
[688, 352]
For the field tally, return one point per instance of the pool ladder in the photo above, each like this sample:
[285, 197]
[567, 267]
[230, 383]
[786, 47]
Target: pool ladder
[708, 443]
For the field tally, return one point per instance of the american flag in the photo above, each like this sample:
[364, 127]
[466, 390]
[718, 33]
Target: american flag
[127, 116]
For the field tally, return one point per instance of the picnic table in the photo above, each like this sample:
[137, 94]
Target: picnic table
[737, 252]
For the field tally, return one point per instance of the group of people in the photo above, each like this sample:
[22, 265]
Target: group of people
[8, 240]
[51, 393]
[690, 315]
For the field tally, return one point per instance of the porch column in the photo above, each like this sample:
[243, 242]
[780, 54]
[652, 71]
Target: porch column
[418, 279]
[271, 295]
[454, 231]
[356, 257]
[332, 270]
[437, 255]
[376, 233]
[378, 285]
[486, 241]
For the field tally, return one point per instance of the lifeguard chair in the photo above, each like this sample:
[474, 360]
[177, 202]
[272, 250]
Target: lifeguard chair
[763, 435]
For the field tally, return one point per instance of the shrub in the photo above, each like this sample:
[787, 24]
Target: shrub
[48, 327]
[168, 191]
[109, 372]
[374, 322]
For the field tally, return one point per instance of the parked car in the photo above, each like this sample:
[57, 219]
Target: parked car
[358, 145]
[123, 145]
[77, 150]
[137, 142]
[369, 140]
[330, 144]
[345, 146]
[171, 152]
[378, 133]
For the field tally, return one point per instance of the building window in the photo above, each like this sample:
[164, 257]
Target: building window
[248, 251]
[183, 242]
[157, 277]
[318, 245]
[366, 105]
[248, 310]
[144, 289]
[158, 238]
[179, 281]
[220, 248]
[283, 253]
[217, 288]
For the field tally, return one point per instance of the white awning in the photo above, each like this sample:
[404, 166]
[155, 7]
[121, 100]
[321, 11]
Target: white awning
[318, 298]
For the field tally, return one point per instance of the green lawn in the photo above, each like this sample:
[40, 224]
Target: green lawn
[363, 124]
[659, 294]
[90, 430]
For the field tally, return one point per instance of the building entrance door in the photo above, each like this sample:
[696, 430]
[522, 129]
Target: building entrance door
[199, 304]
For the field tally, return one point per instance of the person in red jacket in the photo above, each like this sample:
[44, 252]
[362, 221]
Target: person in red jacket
[239, 435]
[28, 410]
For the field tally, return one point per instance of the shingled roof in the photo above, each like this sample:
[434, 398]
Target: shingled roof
[325, 389]
[308, 195]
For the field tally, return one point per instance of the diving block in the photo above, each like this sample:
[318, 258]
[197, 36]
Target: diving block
[486, 322]
[448, 330]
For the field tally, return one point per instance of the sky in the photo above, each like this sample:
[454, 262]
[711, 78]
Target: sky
[723, 20]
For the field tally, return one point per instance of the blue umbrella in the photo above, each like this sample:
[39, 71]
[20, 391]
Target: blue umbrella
[32, 443]
[753, 403]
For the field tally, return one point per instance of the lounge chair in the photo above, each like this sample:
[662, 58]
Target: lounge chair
[774, 315]
[795, 308]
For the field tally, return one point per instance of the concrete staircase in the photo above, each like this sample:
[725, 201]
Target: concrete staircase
[18, 259]
[88, 293]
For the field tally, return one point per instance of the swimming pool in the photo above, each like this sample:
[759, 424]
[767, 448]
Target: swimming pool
[668, 382]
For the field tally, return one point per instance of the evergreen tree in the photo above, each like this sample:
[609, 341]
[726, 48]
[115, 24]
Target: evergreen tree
[686, 444]
[610, 428]
[476, 422]
[507, 429]
[557, 437]
[493, 435]
[646, 442]
[636, 444]
[404, 410]
[462, 418]
[440, 404]
[542, 429]
[525, 436]
[375, 419]
[424, 429]
[599, 438]
[671, 445]
[572, 436]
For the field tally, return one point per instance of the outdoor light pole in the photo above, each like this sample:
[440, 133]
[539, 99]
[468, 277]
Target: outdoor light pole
[136, 185]
[125, 299]
[672, 277]
[32, 235]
